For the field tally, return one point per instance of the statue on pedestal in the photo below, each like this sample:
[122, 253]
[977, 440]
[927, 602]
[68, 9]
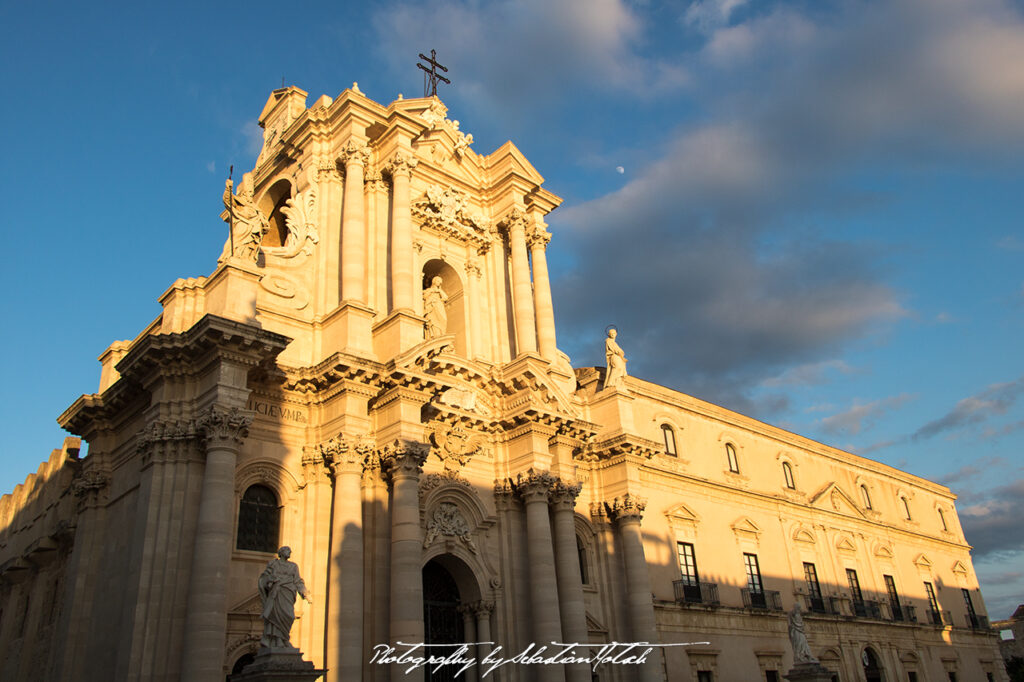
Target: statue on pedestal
[434, 299]
[248, 224]
[278, 586]
[615, 372]
[797, 638]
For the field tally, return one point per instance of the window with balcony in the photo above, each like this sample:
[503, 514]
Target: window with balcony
[813, 588]
[934, 614]
[894, 598]
[856, 597]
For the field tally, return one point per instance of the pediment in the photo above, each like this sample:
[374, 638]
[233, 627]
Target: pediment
[959, 567]
[804, 535]
[250, 605]
[681, 512]
[882, 551]
[593, 625]
[845, 544]
[745, 526]
[922, 561]
[833, 498]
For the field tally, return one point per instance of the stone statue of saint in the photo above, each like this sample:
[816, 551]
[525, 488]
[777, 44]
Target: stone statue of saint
[797, 638]
[434, 299]
[615, 372]
[278, 586]
[248, 224]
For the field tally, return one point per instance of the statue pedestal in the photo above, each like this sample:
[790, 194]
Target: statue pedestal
[809, 672]
[278, 665]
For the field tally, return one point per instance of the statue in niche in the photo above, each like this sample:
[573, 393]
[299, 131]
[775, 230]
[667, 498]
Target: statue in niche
[434, 300]
[797, 638]
[615, 372]
[278, 585]
[248, 224]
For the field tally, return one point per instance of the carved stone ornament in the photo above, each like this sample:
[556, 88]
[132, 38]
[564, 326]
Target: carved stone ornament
[90, 488]
[538, 236]
[535, 485]
[343, 453]
[314, 468]
[224, 428]
[447, 211]
[300, 218]
[401, 164]
[462, 398]
[355, 152]
[248, 224]
[514, 220]
[448, 520]
[565, 494]
[404, 457]
[435, 114]
[454, 445]
[462, 143]
[628, 507]
[444, 479]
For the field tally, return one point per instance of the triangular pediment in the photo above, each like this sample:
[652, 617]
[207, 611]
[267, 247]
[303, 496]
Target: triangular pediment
[922, 561]
[250, 605]
[746, 525]
[833, 498]
[681, 512]
[883, 551]
[845, 544]
[959, 567]
[593, 625]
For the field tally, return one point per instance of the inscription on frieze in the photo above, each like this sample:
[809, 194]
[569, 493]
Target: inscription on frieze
[273, 411]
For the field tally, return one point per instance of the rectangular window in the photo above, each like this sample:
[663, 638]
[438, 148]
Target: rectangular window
[705, 676]
[730, 452]
[688, 564]
[813, 588]
[855, 594]
[894, 597]
[771, 676]
[933, 603]
[753, 574]
[970, 604]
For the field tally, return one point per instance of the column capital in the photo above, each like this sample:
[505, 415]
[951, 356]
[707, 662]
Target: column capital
[404, 458]
[628, 507]
[327, 169]
[514, 221]
[563, 495]
[314, 468]
[222, 427]
[535, 485]
[355, 152]
[343, 454]
[90, 488]
[482, 608]
[401, 164]
[504, 495]
[537, 236]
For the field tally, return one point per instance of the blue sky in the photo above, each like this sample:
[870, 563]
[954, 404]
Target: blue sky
[810, 212]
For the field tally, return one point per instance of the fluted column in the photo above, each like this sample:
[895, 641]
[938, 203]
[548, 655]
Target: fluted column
[402, 283]
[570, 582]
[547, 626]
[404, 461]
[473, 308]
[526, 329]
[539, 239]
[628, 511]
[345, 608]
[483, 609]
[353, 224]
[206, 620]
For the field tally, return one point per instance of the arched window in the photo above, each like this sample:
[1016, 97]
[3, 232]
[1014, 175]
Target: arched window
[272, 205]
[942, 519]
[581, 554]
[259, 518]
[670, 439]
[906, 508]
[787, 471]
[865, 496]
[730, 453]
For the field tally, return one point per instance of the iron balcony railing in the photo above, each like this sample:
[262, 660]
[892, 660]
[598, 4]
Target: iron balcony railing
[768, 600]
[939, 618]
[976, 622]
[902, 613]
[821, 605]
[867, 608]
[688, 592]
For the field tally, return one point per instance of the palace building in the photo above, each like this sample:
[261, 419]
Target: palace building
[371, 376]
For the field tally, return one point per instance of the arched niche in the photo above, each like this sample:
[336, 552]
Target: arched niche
[455, 306]
[270, 204]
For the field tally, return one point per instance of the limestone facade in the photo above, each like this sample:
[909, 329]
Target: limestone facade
[300, 395]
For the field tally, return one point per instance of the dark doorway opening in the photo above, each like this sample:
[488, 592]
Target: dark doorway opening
[442, 621]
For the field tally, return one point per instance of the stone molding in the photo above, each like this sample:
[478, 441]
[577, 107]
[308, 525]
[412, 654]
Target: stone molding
[355, 152]
[454, 445]
[90, 488]
[563, 495]
[345, 454]
[446, 211]
[629, 507]
[404, 458]
[327, 170]
[445, 479]
[447, 520]
[401, 164]
[537, 236]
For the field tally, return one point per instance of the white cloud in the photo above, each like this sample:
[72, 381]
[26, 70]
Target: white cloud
[808, 374]
[861, 416]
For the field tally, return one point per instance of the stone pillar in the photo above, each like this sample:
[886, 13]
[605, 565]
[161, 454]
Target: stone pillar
[547, 627]
[483, 630]
[345, 608]
[206, 619]
[628, 510]
[468, 612]
[353, 224]
[526, 331]
[570, 582]
[402, 281]
[404, 461]
[329, 210]
[539, 239]
[474, 309]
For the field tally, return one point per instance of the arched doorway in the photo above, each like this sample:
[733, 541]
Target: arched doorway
[442, 622]
[872, 668]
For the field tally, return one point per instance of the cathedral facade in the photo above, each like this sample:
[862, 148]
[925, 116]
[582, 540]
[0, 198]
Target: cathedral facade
[371, 377]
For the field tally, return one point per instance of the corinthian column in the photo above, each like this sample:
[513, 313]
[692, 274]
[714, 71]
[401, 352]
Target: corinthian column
[539, 239]
[206, 621]
[570, 581]
[534, 490]
[345, 609]
[404, 461]
[353, 224]
[628, 510]
[526, 332]
[402, 285]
